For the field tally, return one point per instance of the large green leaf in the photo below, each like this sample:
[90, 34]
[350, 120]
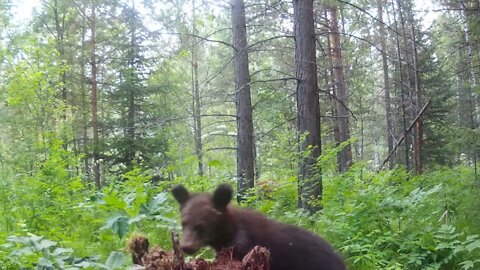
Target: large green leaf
[154, 205]
[115, 260]
[474, 245]
[113, 200]
[118, 223]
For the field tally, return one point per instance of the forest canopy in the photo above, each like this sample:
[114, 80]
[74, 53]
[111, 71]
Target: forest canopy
[357, 120]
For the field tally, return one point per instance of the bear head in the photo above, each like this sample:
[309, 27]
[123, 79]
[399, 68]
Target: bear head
[205, 218]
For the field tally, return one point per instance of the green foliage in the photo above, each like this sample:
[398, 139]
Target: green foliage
[152, 210]
[115, 260]
[386, 221]
[35, 252]
[135, 204]
[391, 219]
[51, 217]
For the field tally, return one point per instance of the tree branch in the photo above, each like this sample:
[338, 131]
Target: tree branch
[220, 148]
[341, 102]
[406, 132]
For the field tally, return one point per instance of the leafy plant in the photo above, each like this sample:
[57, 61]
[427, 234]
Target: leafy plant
[132, 206]
[153, 210]
[39, 253]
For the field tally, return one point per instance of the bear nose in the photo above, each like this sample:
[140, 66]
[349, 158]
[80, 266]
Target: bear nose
[188, 249]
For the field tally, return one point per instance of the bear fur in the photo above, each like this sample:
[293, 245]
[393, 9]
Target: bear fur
[209, 220]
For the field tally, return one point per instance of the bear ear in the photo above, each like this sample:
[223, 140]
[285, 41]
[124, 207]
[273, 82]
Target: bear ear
[222, 196]
[180, 193]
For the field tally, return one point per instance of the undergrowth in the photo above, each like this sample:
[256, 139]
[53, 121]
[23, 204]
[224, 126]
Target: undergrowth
[385, 220]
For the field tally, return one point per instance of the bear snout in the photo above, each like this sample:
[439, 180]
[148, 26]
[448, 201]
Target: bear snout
[189, 249]
[190, 242]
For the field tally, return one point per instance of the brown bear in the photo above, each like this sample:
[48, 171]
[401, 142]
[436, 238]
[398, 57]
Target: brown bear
[209, 220]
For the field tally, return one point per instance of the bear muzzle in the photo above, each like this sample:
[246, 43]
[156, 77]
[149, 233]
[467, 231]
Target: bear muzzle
[189, 249]
[189, 246]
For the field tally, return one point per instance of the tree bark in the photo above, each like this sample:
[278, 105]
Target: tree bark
[330, 78]
[418, 131]
[84, 106]
[386, 83]
[96, 141]
[59, 39]
[131, 89]
[245, 138]
[408, 96]
[196, 102]
[345, 155]
[402, 88]
[308, 106]
[472, 35]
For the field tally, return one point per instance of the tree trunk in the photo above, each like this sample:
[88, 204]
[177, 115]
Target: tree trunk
[386, 82]
[131, 93]
[84, 109]
[345, 155]
[330, 78]
[418, 131]
[245, 140]
[308, 106]
[402, 89]
[59, 37]
[196, 102]
[472, 34]
[96, 143]
[408, 96]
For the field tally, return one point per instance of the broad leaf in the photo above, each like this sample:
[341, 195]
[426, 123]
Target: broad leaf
[119, 224]
[154, 205]
[115, 260]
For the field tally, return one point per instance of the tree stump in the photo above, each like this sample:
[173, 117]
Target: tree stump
[157, 259]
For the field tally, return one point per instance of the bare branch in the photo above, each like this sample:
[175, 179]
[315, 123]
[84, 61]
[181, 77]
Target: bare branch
[341, 102]
[220, 148]
[201, 38]
[406, 132]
